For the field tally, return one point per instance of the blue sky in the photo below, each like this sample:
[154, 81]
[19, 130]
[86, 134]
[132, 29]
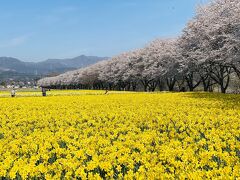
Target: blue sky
[35, 30]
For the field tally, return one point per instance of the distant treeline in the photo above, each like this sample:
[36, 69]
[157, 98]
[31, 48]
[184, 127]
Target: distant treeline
[204, 56]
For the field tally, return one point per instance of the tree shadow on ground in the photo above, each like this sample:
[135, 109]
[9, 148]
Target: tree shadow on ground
[225, 98]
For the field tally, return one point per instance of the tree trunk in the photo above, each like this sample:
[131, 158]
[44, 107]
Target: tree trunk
[134, 86]
[160, 85]
[152, 85]
[128, 86]
[145, 84]
[190, 81]
[170, 83]
[221, 75]
[237, 71]
[206, 82]
[180, 84]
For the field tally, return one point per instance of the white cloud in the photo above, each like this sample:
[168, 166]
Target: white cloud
[16, 41]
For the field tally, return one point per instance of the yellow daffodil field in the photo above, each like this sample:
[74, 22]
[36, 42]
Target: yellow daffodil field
[37, 92]
[120, 136]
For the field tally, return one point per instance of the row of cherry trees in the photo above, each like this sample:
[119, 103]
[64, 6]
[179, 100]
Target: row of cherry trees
[207, 53]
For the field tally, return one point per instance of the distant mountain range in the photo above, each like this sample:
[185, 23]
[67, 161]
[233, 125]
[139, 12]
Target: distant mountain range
[16, 69]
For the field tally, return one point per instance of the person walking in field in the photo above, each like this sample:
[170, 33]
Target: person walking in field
[13, 92]
[106, 92]
[44, 92]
